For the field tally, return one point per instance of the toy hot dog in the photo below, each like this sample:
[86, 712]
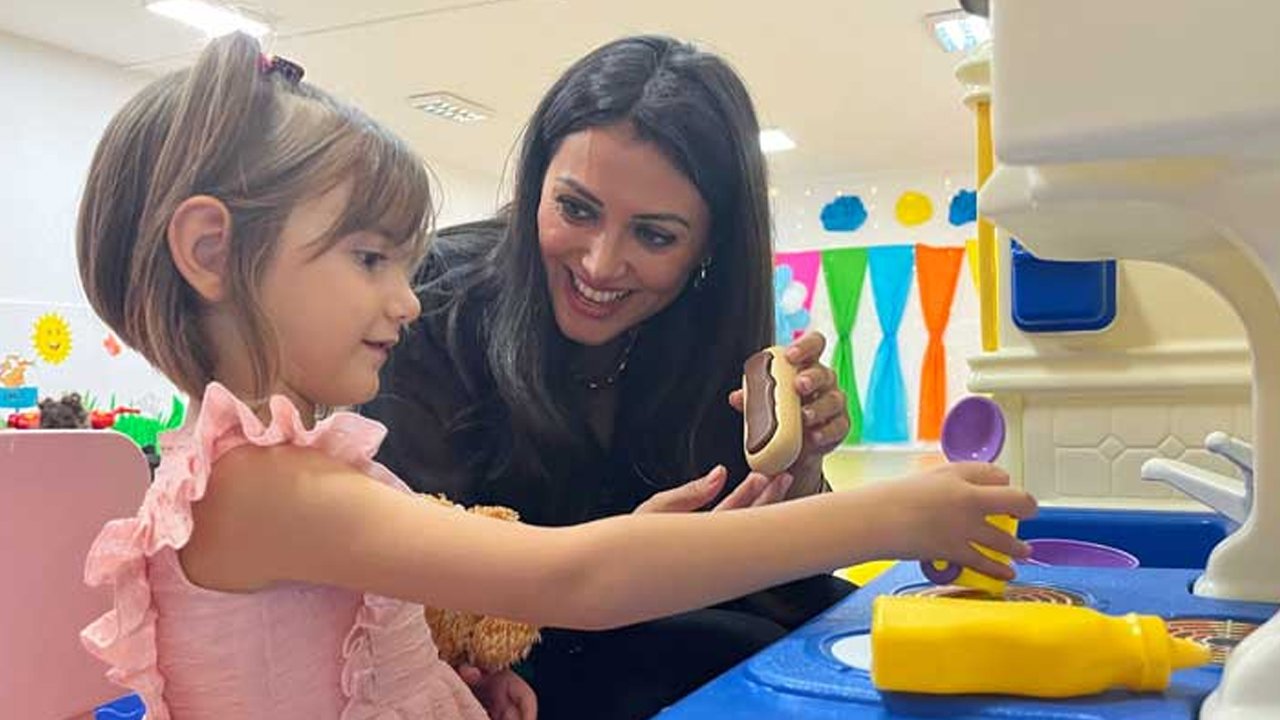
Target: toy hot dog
[773, 428]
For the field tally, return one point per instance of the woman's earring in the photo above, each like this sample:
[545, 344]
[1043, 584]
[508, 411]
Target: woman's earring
[701, 278]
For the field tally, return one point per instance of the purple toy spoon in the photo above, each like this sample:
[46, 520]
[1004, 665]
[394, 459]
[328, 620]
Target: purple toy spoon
[972, 432]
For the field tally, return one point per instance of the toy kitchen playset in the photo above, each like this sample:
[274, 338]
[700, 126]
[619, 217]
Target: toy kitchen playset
[1140, 130]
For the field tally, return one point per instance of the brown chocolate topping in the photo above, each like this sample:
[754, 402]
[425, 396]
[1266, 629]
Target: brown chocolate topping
[762, 421]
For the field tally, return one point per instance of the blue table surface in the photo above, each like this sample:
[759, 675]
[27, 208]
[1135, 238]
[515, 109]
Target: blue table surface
[798, 678]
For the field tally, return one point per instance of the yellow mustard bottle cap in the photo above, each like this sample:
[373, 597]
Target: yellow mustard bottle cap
[1163, 653]
[1184, 654]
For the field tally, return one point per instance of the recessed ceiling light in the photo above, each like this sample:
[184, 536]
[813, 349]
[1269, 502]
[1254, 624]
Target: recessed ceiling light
[213, 18]
[774, 140]
[448, 106]
[957, 30]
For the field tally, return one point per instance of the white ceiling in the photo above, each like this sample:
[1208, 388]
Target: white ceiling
[859, 84]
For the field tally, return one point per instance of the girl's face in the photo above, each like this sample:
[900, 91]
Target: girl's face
[337, 315]
[620, 229]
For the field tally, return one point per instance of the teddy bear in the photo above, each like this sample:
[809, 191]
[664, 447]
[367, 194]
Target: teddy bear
[488, 643]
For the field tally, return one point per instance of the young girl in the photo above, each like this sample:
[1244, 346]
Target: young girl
[253, 238]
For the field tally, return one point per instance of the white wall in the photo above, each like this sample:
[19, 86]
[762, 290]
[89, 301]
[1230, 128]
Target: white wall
[55, 106]
[797, 205]
[461, 195]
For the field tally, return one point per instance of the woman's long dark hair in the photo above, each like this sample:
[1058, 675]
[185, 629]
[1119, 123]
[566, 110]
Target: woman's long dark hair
[693, 107]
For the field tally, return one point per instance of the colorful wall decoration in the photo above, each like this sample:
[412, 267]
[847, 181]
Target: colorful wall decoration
[913, 208]
[964, 208]
[886, 410]
[937, 270]
[844, 214]
[843, 270]
[891, 348]
[51, 338]
[795, 275]
[48, 350]
[15, 393]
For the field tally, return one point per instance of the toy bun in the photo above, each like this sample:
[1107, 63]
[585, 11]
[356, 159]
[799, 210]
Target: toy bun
[773, 428]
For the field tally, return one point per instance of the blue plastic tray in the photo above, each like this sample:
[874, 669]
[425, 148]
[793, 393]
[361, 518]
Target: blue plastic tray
[1158, 539]
[1056, 296]
[129, 707]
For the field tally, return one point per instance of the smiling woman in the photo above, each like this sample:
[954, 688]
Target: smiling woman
[577, 355]
[620, 229]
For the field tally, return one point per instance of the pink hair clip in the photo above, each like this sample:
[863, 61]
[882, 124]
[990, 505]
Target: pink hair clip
[287, 69]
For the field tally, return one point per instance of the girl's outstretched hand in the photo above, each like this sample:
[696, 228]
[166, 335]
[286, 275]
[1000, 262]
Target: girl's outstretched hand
[941, 513]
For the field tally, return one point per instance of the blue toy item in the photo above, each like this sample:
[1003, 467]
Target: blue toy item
[1056, 296]
[129, 707]
[1158, 539]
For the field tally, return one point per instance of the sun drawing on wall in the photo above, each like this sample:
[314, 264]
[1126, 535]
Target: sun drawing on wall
[52, 338]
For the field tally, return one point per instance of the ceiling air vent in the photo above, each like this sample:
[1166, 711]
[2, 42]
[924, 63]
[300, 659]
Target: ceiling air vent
[448, 106]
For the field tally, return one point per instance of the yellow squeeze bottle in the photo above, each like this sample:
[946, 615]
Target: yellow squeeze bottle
[946, 573]
[949, 646]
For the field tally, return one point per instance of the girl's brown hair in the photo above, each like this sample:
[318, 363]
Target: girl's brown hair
[260, 143]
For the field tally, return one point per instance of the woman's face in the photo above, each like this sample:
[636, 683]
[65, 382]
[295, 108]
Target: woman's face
[620, 229]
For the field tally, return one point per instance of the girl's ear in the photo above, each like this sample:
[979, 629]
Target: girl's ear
[199, 237]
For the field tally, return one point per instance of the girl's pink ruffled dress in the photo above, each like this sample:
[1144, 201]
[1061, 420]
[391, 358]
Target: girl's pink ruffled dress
[291, 651]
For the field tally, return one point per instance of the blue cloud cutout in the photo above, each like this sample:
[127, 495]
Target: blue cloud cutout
[964, 208]
[844, 214]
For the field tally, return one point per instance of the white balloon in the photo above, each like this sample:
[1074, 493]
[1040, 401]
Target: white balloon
[793, 297]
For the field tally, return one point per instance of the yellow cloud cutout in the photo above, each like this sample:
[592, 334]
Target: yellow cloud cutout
[913, 208]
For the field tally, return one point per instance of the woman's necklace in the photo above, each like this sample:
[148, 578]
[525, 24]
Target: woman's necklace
[613, 377]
